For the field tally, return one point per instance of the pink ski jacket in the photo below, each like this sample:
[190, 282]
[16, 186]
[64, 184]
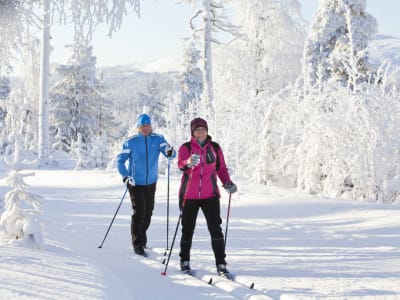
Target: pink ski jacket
[200, 182]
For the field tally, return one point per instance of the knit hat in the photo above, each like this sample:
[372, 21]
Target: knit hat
[142, 120]
[196, 123]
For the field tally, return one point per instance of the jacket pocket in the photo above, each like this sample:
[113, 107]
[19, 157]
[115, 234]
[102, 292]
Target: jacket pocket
[210, 158]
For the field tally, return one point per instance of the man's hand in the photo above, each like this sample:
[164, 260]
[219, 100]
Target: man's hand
[128, 181]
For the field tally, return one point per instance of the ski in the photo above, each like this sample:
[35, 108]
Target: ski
[221, 281]
[232, 278]
[193, 274]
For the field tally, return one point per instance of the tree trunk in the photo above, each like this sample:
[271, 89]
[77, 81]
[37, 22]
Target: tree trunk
[44, 86]
[208, 82]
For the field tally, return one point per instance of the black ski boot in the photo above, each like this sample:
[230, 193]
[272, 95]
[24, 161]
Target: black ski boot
[139, 250]
[223, 271]
[185, 267]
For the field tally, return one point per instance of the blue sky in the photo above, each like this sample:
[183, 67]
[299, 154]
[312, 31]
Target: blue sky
[163, 24]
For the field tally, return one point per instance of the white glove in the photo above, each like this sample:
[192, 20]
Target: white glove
[129, 181]
[193, 160]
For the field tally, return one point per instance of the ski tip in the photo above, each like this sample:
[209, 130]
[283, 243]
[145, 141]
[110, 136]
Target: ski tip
[210, 281]
[252, 285]
[164, 273]
[100, 247]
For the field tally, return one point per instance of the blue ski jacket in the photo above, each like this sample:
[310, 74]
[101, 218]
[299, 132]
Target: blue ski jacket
[142, 153]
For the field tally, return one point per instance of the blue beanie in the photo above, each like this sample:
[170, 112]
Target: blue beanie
[142, 120]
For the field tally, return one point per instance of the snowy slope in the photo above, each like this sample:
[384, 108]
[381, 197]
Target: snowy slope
[291, 245]
[384, 48]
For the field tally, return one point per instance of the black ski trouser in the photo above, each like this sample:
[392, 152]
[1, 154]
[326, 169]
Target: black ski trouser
[211, 210]
[142, 199]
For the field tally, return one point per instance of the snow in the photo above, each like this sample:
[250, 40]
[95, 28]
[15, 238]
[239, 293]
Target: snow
[290, 244]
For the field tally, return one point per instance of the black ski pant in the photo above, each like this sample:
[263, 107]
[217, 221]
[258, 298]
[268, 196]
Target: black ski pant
[142, 198]
[211, 210]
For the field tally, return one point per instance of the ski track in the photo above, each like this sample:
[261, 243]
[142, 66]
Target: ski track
[292, 246]
[236, 289]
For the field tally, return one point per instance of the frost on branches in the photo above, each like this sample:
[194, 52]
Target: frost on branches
[336, 135]
[336, 46]
[19, 222]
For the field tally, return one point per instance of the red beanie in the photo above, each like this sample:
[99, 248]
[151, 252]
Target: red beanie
[196, 123]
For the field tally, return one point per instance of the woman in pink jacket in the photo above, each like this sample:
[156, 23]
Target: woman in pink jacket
[201, 161]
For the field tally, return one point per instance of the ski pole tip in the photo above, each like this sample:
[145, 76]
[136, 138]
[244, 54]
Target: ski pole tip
[163, 273]
[99, 247]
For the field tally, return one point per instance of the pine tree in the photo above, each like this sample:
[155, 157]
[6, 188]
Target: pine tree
[336, 45]
[192, 78]
[77, 102]
[19, 222]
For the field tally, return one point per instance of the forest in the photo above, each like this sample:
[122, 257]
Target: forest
[306, 109]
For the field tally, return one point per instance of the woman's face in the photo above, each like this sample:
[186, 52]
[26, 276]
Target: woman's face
[200, 134]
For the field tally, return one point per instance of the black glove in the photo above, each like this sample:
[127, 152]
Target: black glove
[169, 151]
[128, 181]
[230, 187]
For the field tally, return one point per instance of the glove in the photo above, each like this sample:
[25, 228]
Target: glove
[193, 160]
[128, 181]
[230, 187]
[169, 151]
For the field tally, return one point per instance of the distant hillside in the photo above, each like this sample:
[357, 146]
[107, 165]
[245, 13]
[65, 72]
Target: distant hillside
[163, 65]
[384, 48]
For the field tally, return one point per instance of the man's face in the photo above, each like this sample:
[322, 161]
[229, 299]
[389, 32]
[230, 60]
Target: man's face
[145, 129]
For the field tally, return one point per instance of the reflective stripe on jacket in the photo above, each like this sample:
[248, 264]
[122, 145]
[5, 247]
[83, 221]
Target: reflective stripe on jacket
[142, 153]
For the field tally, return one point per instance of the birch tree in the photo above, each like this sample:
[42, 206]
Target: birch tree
[213, 21]
[85, 14]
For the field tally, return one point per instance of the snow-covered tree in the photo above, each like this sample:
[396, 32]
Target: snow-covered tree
[15, 17]
[76, 99]
[4, 96]
[212, 21]
[336, 47]
[85, 15]
[252, 69]
[155, 104]
[274, 34]
[339, 138]
[19, 222]
[191, 79]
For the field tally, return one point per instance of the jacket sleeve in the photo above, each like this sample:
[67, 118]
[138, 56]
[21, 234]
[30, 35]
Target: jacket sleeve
[183, 156]
[163, 146]
[223, 173]
[121, 160]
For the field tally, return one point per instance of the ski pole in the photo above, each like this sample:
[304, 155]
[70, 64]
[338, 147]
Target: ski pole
[172, 245]
[169, 166]
[227, 217]
[112, 221]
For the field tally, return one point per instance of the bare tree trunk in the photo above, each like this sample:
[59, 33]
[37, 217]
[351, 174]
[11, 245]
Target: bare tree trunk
[208, 82]
[44, 86]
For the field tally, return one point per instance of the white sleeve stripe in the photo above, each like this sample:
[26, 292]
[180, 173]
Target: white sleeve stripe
[125, 151]
[163, 144]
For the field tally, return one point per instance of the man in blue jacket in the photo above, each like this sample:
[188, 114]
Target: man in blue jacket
[142, 152]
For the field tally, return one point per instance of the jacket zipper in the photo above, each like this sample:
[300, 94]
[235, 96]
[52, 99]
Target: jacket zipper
[201, 172]
[147, 159]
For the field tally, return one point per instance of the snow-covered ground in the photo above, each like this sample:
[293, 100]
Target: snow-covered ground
[290, 244]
